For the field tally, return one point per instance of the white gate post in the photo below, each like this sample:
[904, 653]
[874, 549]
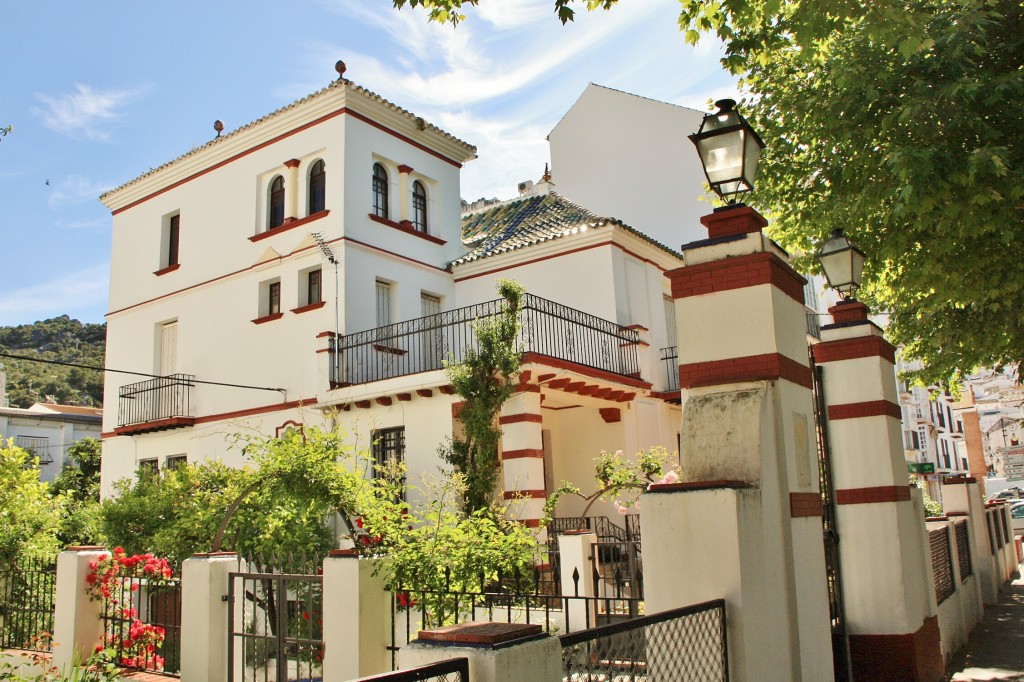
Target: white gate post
[356, 618]
[204, 616]
[77, 628]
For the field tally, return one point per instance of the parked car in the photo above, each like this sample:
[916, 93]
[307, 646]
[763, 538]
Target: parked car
[1017, 514]
[1014, 493]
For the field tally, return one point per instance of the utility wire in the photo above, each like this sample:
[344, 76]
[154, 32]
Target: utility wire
[138, 374]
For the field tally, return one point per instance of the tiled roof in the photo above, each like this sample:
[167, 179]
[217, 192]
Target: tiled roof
[336, 84]
[531, 220]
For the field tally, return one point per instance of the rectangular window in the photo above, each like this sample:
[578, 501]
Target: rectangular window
[168, 351]
[383, 303]
[37, 446]
[175, 461]
[670, 321]
[314, 294]
[172, 240]
[389, 452]
[149, 466]
[274, 298]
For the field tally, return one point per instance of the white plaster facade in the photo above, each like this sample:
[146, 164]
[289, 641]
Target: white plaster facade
[47, 431]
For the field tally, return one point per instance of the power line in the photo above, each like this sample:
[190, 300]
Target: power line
[138, 374]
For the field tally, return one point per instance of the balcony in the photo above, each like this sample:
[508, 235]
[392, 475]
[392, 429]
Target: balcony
[547, 329]
[155, 404]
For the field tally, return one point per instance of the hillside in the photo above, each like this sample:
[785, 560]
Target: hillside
[60, 338]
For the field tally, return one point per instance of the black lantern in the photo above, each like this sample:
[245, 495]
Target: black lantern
[842, 262]
[729, 150]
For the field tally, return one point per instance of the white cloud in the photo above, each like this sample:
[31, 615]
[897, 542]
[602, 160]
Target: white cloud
[75, 189]
[85, 112]
[86, 224]
[67, 294]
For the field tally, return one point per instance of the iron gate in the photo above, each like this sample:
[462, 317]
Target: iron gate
[275, 622]
[840, 654]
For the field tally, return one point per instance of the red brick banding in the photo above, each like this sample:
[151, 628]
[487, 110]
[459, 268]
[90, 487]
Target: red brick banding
[868, 408]
[913, 656]
[851, 349]
[884, 493]
[525, 452]
[849, 311]
[403, 397]
[447, 389]
[517, 418]
[738, 272]
[805, 504]
[697, 485]
[593, 373]
[736, 220]
[480, 633]
[750, 368]
[610, 415]
[383, 401]
[424, 392]
[364, 404]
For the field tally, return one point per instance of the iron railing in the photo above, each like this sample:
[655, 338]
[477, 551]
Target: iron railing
[155, 399]
[670, 358]
[813, 324]
[672, 646]
[27, 601]
[942, 563]
[275, 619]
[152, 603]
[619, 565]
[452, 670]
[963, 550]
[428, 343]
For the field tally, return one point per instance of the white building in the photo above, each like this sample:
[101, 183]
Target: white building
[47, 431]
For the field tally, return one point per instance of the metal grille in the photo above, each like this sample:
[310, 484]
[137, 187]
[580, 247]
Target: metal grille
[683, 644]
[275, 620]
[963, 550]
[452, 670]
[152, 603]
[39, 446]
[546, 328]
[27, 598]
[154, 399]
[1005, 522]
[942, 564]
[670, 358]
[991, 535]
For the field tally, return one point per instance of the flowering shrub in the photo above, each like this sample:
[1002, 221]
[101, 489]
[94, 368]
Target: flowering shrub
[114, 579]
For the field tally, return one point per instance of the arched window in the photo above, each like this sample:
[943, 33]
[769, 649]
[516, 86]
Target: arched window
[317, 188]
[275, 217]
[419, 206]
[380, 191]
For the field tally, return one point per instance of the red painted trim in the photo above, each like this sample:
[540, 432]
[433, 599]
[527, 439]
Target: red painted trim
[392, 253]
[447, 389]
[169, 268]
[805, 504]
[559, 407]
[610, 415]
[405, 169]
[667, 396]
[384, 401]
[156, 425]
[738, 272]
[291, 163]
[696, 485]
[868, 408]
[457, 409]
[527, 494]
[325, 334]
[545, 377]
[255, 410]
[912, 656]
[294, 131]
[959, 480]
[291, 224]
[524, 377]
[424, 392]
[388, 349]
[406, 229]
[851, 349]
[343, 553]
[403, 397]
[580, 369]
[516, 418]
[363, 404]
[884, 493]
[307, 308]
[751, 368]
[565, 253]
[268, 318]
[520, 454]
[530, 523]
[849, 311]
[526, 388]
[738, 220]
[638, 327]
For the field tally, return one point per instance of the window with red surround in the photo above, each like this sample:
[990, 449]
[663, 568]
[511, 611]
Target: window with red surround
[289, 226]
[407, 230]
[307, 308]
[268, 318]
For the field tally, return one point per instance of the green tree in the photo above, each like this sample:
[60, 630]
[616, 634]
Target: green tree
[78, 486]
[29, 515]
[485, 380]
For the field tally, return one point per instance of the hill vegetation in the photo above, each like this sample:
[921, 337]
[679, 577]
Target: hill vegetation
[63, 339]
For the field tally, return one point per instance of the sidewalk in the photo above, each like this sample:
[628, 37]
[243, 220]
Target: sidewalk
[995, 650]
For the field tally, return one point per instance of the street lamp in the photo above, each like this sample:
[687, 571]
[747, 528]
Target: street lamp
[843, 264]
[729, 150]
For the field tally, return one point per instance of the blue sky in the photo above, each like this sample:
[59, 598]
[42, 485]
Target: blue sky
[100, 92]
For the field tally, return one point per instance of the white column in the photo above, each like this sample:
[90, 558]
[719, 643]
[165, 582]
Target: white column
[576, 554]
[204, 616]
[291, 190]
[404, 190]
[522, 455]
[77, 628]
[357, 618]
[497, 652]
[963, 496]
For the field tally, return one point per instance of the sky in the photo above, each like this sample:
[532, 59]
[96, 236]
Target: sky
[101, 92]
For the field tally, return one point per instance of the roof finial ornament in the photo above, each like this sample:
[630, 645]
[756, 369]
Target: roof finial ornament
[339, 66]
[218, 125]
[547, 174]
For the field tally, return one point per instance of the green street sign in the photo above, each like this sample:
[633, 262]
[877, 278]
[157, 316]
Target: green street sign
[921, 467]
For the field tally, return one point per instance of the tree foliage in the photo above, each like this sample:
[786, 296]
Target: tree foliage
[63, 339]
[485, 380]
[78, 485]
[29, 515]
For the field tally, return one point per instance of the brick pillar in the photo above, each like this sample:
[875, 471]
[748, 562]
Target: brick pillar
[893, 632]
[749, 497]
[522, 454]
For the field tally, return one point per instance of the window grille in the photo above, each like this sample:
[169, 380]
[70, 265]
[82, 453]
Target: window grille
[380, 191]
[314, 292]
[317, 188]
[419, 206]
[389, 452]
[942, 564]
[39, 446]
[963, 550]
[274, 298]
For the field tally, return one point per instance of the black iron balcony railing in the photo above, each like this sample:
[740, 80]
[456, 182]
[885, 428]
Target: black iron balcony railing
[546, 328]
[670, 358]
[155, 400]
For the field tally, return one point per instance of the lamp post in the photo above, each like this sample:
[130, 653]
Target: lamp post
[729, 151]
[842, 263]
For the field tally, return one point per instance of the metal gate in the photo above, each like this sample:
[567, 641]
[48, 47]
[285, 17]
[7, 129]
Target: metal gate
[840, 653]
[275, 622]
